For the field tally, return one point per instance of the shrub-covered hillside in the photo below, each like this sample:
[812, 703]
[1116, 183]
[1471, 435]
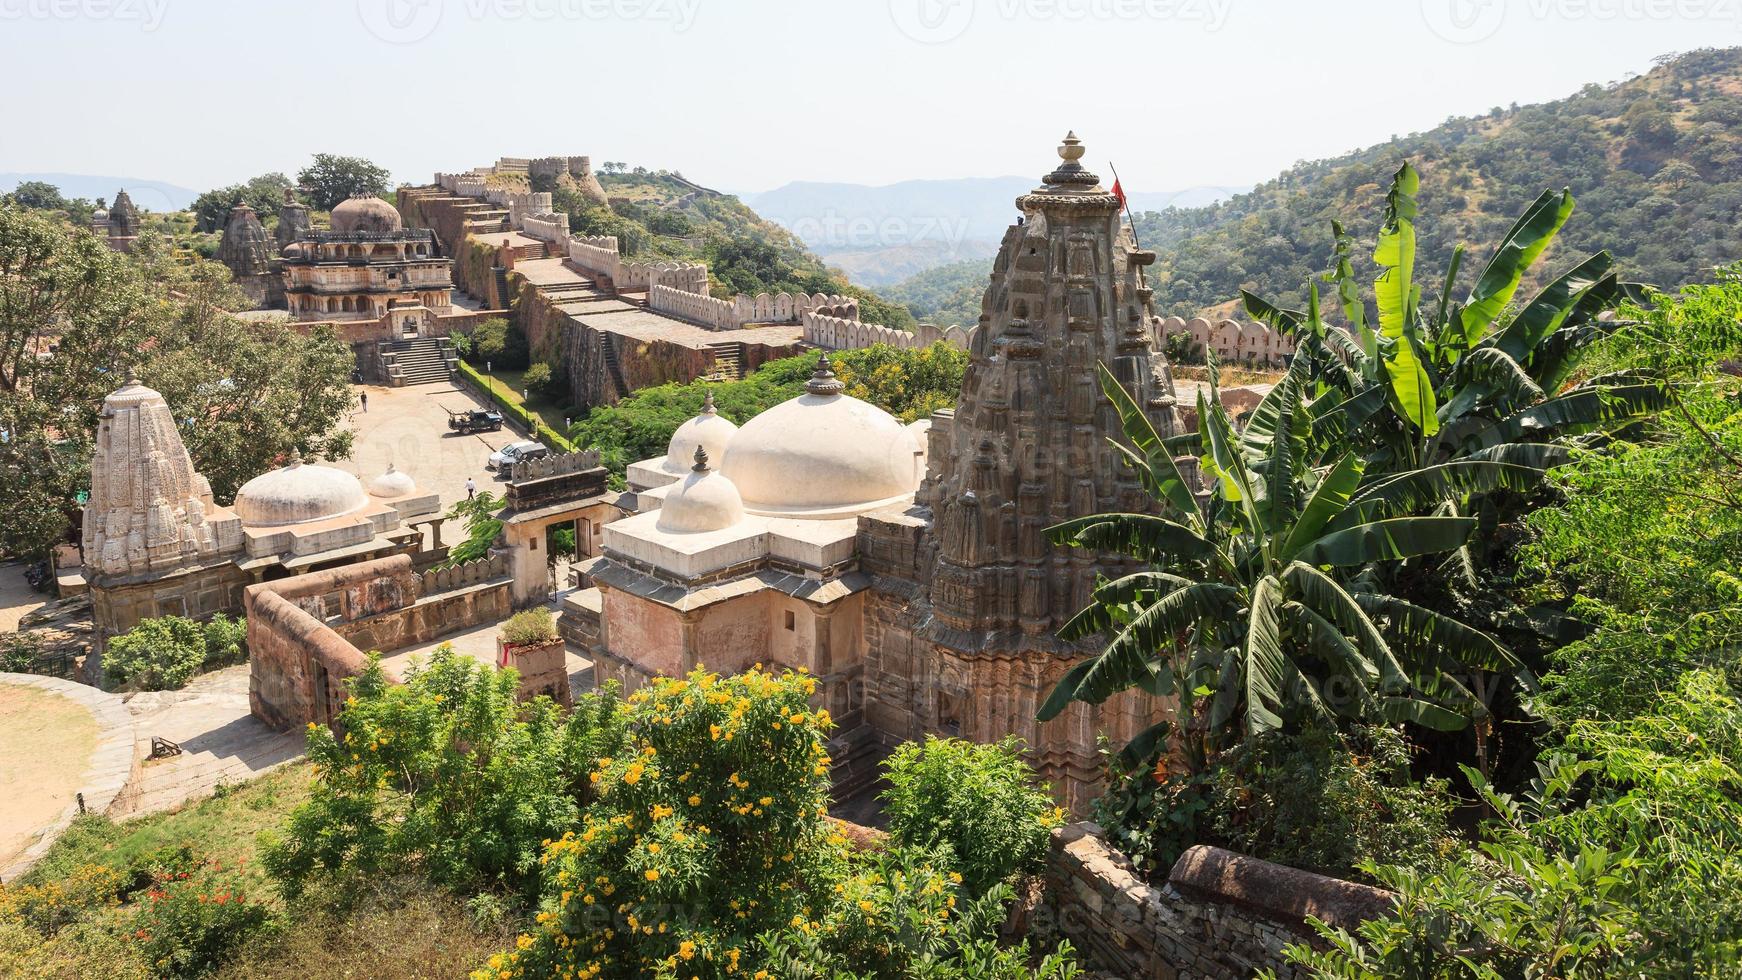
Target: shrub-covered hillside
[1655, 163]
[662, 214]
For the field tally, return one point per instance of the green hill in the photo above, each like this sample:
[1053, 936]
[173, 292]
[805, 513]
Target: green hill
[662, 214]
[1654, 162]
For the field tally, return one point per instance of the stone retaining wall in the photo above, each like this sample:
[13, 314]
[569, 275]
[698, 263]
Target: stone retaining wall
[1218, 914]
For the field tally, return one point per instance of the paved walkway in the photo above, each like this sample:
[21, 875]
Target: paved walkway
[42, 777]
[408, 427]
[221, 742]
[17, 598]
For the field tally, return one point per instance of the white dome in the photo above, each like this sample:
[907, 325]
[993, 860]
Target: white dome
[297, 494]
[709, 430]
[703, 501]
[822, 455]
[392, 483]
[366, 213]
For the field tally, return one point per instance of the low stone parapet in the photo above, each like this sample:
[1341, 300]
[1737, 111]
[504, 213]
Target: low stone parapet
[1218, 914]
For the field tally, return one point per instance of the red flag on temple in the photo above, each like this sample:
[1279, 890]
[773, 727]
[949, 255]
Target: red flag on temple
[1118, 192]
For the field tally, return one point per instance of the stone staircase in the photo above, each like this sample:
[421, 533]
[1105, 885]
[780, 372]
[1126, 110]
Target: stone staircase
[728, 360]
[417, 362]
[506, 300]
[613, 366]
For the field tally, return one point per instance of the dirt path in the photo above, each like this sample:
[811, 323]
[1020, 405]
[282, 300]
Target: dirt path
[46, 742]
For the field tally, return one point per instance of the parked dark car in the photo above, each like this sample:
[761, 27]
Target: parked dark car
[513, 455]
[474, 420]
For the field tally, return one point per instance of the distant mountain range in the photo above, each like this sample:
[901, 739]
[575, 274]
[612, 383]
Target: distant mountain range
[151, 195]
[882, 234]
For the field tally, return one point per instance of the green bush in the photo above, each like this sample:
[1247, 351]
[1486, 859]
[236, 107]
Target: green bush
[226, 640]
[448, 775]
[19, 652]
[1315, 799]
[156, 655]
[529, 627]
[537, 378]
[979, 802]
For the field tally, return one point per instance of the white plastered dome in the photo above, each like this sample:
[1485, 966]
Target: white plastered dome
[393, 483]
[705, 500]
[298, 494]
[823, 455]
[709, 430]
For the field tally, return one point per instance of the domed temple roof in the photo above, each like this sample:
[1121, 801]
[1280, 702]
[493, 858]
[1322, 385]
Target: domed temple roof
[298, 494]
[705, 500]
[393, 483]
[822, 455]
[366, 214]
[710, 430]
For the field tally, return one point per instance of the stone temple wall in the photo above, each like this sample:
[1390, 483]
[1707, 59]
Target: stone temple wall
[308, 633]
[1218, 914]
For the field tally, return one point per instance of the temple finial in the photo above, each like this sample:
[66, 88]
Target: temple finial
[708, 403]
[701, 460]
[823, 380]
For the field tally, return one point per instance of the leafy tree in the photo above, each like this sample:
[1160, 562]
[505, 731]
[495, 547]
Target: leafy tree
[264, 194]
[448, 774]
[1260, 607]
[482, 527]
[330, 179]
[537, 377]
[38, 194]
[259, 391]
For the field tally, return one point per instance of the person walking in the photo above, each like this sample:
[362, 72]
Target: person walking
[471, 488]
[364, 398]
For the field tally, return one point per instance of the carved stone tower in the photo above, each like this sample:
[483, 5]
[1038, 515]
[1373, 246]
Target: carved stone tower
[1026, 449]
[123, 216]
[247, 252]
[293, 220]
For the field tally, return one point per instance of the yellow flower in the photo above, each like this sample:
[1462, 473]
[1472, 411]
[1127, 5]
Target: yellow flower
[652, 875]
[695, 800]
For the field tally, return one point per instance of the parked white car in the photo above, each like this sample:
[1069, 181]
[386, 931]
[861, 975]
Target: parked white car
[511, 452]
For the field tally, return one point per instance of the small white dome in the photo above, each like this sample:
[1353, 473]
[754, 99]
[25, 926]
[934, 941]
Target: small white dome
[822, 455]
[392, 483]
[709, 430]
[297, 494]
[703, 501]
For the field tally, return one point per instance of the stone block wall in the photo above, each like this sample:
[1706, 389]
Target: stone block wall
[1234, 342]
[732, 314]
[1218, 914]
[307, 634]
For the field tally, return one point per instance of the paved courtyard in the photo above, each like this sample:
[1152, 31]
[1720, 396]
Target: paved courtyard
[408, 427]
[221, 743]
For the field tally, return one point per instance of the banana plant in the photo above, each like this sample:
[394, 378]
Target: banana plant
[1258, 605]
[1483, 378]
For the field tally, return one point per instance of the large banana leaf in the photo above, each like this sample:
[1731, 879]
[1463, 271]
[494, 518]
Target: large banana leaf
[1529, 235]
[1417, 634]
[1557, 301]
[1409, 492]
[1486, 372]
[1388, 540]
[1153, 460]
[1580, 410]
[1267, 666]
[1130, 659]
[1397, 297]
[1326, 597]
[1329, 499]
[1142, 536]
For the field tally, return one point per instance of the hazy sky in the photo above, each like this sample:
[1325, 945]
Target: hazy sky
[749, 94]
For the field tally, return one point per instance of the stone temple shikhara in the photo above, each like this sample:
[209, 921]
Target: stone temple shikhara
[907, 566]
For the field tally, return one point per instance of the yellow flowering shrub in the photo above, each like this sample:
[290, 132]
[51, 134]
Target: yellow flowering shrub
[708, 830]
